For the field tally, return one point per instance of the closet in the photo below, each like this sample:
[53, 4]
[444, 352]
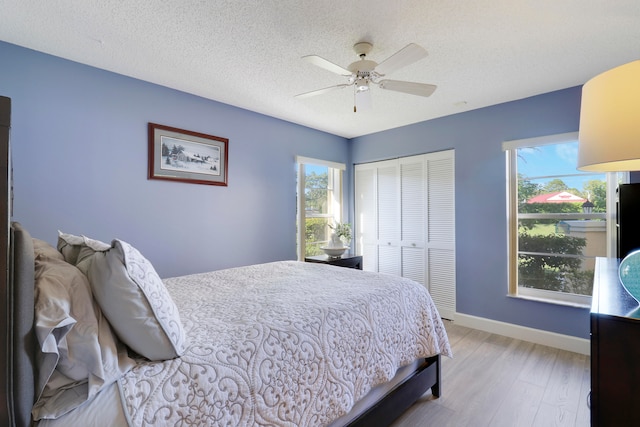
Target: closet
[405, 221]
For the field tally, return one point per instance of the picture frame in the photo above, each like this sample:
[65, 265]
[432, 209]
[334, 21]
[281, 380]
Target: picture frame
[185, 156]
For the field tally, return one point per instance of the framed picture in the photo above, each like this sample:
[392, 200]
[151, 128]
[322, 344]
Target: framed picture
[185, 156]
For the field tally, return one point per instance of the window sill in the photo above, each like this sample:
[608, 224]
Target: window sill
[551, 301]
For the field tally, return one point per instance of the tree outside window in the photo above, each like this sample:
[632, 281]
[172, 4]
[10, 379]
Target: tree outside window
[321, 205]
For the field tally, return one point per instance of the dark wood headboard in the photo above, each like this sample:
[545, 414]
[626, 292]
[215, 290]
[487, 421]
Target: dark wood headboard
[17, 338]
[5, 185]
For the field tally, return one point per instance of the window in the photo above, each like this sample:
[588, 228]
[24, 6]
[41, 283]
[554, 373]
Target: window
[559, 218]
[319, 203]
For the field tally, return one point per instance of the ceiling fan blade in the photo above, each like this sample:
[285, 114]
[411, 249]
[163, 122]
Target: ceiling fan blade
[327, 65]
[405, 56]
[420, 89]
[320, 91]
[362, 101]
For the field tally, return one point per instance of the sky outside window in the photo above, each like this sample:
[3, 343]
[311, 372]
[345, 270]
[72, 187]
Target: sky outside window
[544, 163]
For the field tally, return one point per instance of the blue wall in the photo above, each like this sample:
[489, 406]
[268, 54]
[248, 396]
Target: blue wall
[79, 141]
[481, 222]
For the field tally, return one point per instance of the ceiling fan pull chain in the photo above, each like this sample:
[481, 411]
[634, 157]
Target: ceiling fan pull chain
[354, 98]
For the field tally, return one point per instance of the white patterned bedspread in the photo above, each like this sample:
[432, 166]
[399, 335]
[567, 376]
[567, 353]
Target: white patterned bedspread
[282, 344]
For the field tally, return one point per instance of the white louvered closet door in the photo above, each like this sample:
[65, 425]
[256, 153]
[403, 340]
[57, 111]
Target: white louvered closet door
[366, 229]
[413, 218]
[388, 205]
[409, 204]
[441, 236]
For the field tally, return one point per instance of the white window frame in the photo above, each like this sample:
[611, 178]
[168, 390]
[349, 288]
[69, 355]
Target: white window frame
[334, 185]
[514, 290]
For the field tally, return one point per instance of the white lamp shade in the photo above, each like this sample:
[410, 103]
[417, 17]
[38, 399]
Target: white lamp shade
[610, 121]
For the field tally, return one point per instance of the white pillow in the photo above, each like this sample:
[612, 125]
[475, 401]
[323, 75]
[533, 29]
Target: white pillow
[136, 302]
[79, 353]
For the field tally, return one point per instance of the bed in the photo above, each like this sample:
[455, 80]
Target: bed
[284, 343]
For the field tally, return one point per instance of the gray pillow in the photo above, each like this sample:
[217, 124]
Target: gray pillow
[136, 302]
[79, 353]
[75, 249]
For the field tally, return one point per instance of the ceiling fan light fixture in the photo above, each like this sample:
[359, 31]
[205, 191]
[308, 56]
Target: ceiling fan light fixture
[362, 86]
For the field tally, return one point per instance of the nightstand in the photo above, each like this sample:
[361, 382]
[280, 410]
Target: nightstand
[346, 260]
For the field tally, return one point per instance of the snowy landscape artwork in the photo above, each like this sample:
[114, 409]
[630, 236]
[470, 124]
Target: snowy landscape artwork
[186, 156]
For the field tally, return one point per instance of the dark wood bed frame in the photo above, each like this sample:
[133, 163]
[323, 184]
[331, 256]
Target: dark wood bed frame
[17, 365]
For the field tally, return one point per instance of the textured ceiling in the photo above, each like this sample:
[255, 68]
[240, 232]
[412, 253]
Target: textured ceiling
[248, 53]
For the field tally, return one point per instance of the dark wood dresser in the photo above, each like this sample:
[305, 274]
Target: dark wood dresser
[615, 350]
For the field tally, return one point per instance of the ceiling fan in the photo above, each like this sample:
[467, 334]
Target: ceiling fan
[363, 73]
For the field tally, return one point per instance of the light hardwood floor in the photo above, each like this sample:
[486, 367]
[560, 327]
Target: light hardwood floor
[498, 381]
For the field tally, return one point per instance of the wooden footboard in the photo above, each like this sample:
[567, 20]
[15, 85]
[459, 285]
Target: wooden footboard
[405, 394]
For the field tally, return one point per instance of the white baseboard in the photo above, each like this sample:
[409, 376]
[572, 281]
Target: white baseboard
[537, 336]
